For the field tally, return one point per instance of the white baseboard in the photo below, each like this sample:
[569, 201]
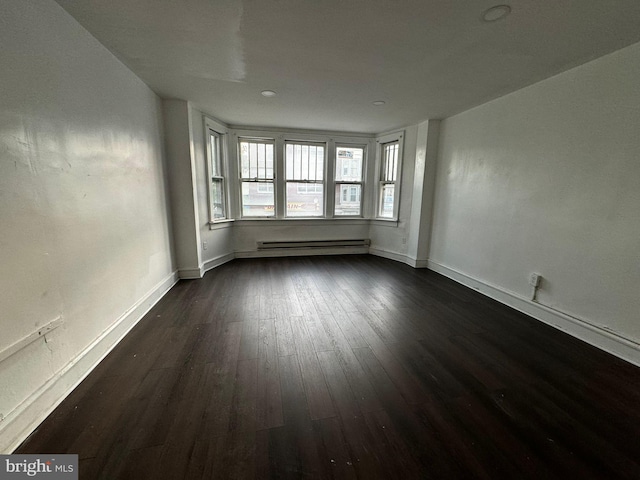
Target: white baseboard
[300, 252]
[219, 260]
[191, 273]
[610, 342]
[399, 257]
[19, 424]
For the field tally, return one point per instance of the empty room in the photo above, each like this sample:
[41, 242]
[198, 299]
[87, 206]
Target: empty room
[302, 239]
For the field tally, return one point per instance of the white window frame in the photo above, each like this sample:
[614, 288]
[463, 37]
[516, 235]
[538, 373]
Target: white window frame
[343, 183]
[382, 178]
[257, 180]
[315, 181]
[218, 131]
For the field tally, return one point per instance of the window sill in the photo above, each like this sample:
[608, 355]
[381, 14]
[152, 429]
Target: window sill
[383, 222]
[248, 222]
[218, 224]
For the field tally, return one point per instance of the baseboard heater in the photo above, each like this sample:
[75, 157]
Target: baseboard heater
[290, 244]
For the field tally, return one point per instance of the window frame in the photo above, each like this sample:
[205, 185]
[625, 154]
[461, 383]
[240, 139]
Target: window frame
[342, 183]
[383, 141]
[258, 180]
[220, 133]
[323, 181]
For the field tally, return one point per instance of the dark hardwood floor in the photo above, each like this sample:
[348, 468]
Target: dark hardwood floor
[346, 367]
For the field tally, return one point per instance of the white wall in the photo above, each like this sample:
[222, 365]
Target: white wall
[85, 233]
[217, 243]
[248, 232]
[547, 180]
[182, 185]
[425, 163]
[389, 239]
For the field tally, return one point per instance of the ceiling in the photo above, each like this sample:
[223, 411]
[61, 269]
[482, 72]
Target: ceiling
[328, 60]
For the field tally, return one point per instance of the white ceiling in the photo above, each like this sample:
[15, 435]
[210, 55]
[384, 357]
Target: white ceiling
[330, 59]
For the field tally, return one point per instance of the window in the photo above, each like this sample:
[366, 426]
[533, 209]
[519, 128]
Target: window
[256, 177]
[349, 174]
[389, 167]
[304, 178]
[217, 193]
[302, 175]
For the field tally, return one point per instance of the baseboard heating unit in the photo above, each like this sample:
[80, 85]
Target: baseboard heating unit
[292, 244]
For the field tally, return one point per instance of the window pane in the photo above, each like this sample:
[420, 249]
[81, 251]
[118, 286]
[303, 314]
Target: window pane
[216, 168]
[307, 204]
[256, 159]
[255, 202]
[386, 200]
[348, 199]
[304, 161]
[265, 187]
[309, 188]
[389, 162]
[216, 192]
[349, 164]
[217, 198]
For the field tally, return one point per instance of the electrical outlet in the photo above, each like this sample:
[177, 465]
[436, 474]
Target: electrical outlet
[535, 279]
[204, 245]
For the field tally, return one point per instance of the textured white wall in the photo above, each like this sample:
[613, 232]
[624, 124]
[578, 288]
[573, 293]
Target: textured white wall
[547, 180]
[85, 232]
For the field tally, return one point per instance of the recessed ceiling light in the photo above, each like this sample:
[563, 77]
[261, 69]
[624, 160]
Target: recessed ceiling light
[377, 103]
[268, 93]
[496, 13]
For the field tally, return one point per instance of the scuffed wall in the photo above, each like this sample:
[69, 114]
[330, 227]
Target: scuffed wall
[83, 206]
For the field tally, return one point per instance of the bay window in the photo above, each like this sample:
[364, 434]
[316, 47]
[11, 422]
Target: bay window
[288, 175]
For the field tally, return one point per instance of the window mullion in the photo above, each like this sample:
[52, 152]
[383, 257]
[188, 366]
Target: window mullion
[280, 184]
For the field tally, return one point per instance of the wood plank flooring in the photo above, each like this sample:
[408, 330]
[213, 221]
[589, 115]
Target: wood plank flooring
[346, 367]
